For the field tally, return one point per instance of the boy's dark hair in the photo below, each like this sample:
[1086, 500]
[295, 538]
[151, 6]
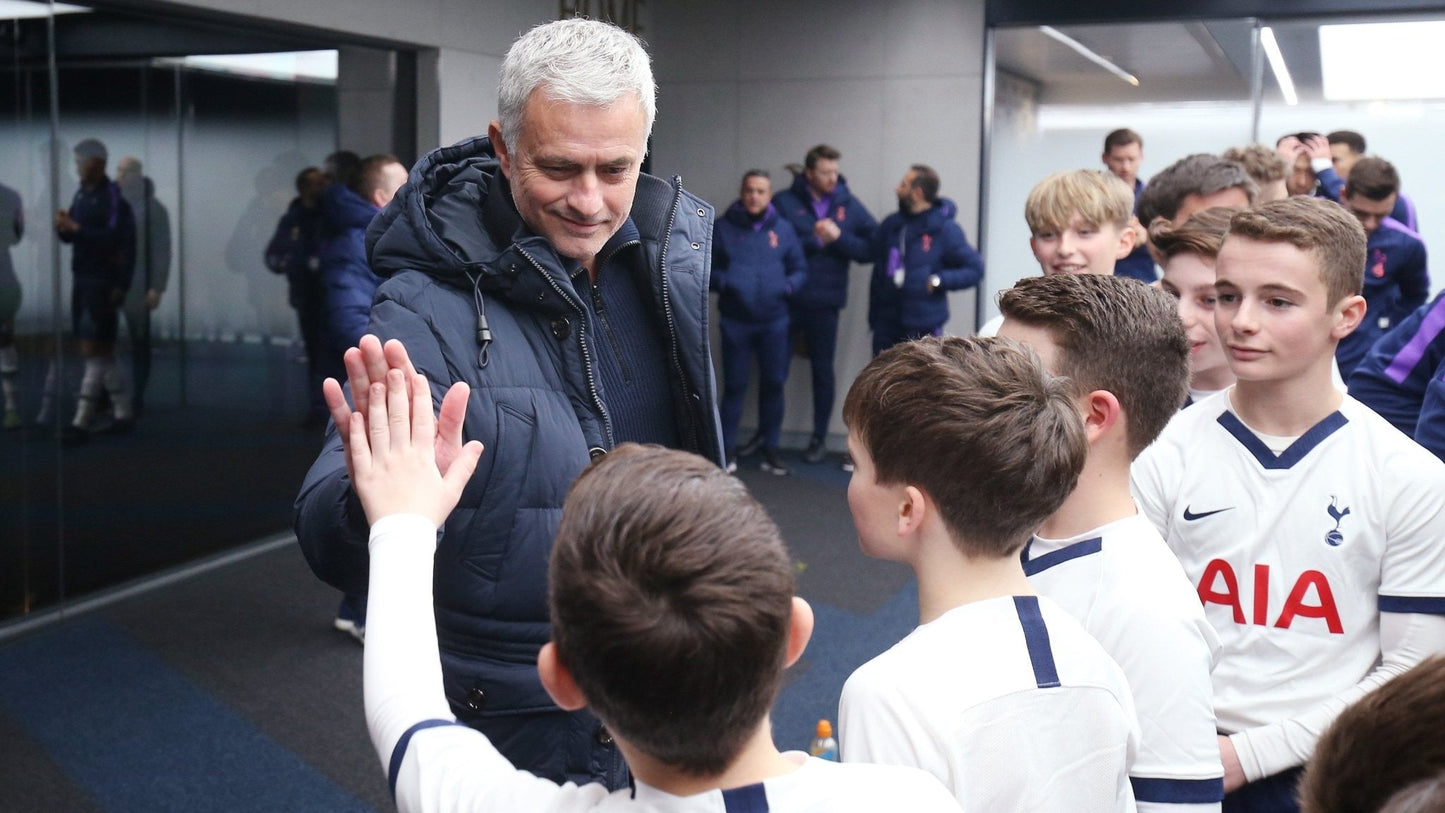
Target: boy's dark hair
[1198, 174]
[926, 179]
[978, 425]
[1332, 236]
[1349, 138]
[1115, 334]
[1122, 137]
[820, 152]
[1261, 163]
[671, 599]
[1200, 235]
[1385, 743]
[1374, 178]
[371, 174]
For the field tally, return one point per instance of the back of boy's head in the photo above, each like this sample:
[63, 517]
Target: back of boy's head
[1260, 161]
[978, 425]
[1097, 196]
[671, 598]
[1332, 237]
[1200, 235]
[1200, 174]
[1374, 178]
[1115, 334]
[1386, 746]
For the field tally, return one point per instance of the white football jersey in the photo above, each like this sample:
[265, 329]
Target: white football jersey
[1007, 701]
[1295, 555]
[1126, 588]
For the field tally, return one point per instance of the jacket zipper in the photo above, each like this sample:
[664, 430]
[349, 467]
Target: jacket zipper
[692, 433]
[582, 342]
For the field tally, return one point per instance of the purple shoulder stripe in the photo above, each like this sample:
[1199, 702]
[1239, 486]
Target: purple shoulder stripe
[1414, 350]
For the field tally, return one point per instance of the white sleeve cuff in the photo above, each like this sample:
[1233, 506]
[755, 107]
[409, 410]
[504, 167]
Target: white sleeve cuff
[1321, 164]
[402, 529]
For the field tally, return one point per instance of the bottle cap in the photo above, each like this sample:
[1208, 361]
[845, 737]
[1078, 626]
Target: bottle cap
[825, 728]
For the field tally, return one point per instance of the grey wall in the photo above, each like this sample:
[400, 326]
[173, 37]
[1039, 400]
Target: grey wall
[889, 84]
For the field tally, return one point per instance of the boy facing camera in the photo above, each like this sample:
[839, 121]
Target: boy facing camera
[962, 447]
[673, 617]
[1310, 526]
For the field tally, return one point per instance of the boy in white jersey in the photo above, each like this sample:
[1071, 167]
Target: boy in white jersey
[1311, 527]
[673, 616]
[962, 446]
[1187, 254]
[1122, 347]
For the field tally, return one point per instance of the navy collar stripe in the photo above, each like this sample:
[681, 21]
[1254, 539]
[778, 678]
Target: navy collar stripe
[1178, 791]
[399, 751]
[1036, 638]
[1087, 547]
[1296, 452]
[746, 799]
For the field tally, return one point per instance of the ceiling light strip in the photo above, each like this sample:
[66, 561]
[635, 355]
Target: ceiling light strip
[1276, 64]
[1084, 51]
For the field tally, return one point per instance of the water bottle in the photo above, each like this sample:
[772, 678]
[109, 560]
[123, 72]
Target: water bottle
[824, 746]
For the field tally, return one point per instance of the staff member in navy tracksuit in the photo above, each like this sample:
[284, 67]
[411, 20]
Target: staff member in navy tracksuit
[757, 264]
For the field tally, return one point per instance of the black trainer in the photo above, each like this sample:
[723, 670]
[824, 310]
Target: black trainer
[815, 451]
[752, 446]
[771, 464]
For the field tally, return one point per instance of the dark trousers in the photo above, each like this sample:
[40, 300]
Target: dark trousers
[138, 330]
[819, 329]
[742, 342]
[309, 300]
[888, 332]
[1272, 794]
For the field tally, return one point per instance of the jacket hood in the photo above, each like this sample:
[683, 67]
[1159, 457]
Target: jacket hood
[738, 216]
[800, 189]
[344, 210]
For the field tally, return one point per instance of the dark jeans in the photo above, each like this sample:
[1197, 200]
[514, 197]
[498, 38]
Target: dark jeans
[819, 328]
[308, 298]
[1272, 794]
[888, 332]
[741, 343]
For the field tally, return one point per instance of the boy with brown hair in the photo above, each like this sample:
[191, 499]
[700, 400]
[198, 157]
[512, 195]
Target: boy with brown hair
[673, 616]
[1310, 526]
[1188, 253]
[1385, 749]
[962, 446]
[1122, 348]
[1397, 280]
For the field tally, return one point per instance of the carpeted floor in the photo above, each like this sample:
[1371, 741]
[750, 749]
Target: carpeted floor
[229, 691]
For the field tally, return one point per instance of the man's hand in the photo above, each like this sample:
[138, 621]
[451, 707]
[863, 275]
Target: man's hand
[153, 299]
[1233, 773]
[1317, 146]
[367, 364]
[64, 223]
[392, 455]
[826, 231]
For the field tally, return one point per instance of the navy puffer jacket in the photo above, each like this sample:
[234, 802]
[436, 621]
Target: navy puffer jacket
[756, 265]
[927, 243]
[456, 253]
[827, 285]
[345, 274]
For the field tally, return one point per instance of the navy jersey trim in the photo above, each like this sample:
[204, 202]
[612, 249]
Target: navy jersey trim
[1296, 452]
[1036, 638]
[1087, 547]
[399, 751]
[1178, 791]
[746, 799]
[1424, 605]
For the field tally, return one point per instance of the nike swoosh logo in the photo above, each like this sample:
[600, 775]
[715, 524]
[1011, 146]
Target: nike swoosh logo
[1190, 516]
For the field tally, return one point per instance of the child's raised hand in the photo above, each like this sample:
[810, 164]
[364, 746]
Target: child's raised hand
[392, 451]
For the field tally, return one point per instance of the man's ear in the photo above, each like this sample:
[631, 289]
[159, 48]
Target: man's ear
[800, 631]
[1348, 315]
[504, 151]
[558, 681]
